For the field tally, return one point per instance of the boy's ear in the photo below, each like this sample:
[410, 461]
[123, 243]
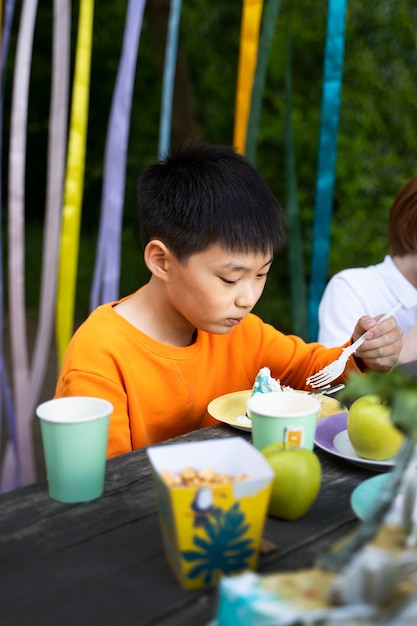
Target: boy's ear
[156, 257]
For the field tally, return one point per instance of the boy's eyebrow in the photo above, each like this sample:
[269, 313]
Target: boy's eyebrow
[235, 268]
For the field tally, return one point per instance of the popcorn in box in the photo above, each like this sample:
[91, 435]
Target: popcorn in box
[213, 530]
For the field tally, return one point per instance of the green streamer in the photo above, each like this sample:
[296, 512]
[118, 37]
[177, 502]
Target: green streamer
[295, 247]
[269, 18]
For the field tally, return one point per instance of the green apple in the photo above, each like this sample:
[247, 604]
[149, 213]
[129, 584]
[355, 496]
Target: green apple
[371, 432]
[297, 479]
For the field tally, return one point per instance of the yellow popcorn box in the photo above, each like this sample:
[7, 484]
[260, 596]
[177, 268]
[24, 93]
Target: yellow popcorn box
[210, 529]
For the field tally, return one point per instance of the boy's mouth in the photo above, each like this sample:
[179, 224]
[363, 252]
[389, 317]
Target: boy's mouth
[234, 321]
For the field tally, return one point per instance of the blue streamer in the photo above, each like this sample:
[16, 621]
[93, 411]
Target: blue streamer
[168, 79]
[330, 108]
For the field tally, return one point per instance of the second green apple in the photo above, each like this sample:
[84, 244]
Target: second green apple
[297, 480]
[371, 432]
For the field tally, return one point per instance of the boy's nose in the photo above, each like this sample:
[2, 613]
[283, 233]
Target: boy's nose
[247, 298]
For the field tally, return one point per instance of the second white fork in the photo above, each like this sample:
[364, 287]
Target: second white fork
[335, 369]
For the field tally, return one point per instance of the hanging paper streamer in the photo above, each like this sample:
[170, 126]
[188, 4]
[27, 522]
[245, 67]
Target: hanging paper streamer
[74, 182]
[32, 377]
[295, 244]
[248, 54]
[332, 87]
[9, 469]
[269, 18]
[107, 267]
[55, 174]
[57, 144]
[16, 269]
[168, 78]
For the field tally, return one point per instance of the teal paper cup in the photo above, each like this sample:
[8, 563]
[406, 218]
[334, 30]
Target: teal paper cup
[283, 417]
[74, 435]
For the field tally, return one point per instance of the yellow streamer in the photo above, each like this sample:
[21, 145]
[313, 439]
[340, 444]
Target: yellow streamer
[248, 54]
[74, 182]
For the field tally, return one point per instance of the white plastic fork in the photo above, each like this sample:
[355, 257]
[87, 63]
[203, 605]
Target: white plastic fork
[335, 369]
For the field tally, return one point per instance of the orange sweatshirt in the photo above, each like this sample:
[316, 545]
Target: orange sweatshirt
[160, 391]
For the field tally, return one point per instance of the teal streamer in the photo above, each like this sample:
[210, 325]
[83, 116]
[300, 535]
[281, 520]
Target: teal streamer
[269, 18]
[298, 283]
[168, 78]
[329, 124]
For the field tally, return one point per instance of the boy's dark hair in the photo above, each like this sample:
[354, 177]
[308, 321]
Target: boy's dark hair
[203, 195]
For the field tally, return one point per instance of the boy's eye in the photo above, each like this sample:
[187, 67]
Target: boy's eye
[233, 282]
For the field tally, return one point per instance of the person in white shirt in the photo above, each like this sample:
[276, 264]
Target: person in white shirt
[374, 290]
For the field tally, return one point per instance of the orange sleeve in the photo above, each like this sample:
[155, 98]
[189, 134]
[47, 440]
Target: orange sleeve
[290, 359]
[82, 383]
[90, 368]
[152, 386]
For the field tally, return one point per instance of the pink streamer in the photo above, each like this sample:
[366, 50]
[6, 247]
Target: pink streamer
[27, 381]
[55, 189]
[17, 153]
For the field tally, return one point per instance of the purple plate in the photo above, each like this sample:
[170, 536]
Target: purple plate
[332, 436]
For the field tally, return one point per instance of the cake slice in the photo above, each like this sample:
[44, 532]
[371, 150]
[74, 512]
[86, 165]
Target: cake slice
[264, 383]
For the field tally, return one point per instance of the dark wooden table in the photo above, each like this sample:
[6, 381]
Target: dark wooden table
[103, 562]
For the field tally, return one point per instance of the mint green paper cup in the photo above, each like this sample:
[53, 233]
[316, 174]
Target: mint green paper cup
[74, 435]
[283, 417]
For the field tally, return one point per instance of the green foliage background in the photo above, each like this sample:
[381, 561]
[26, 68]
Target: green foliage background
[377, 141]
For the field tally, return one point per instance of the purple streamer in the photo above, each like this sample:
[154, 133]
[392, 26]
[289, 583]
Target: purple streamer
[6, 397]
[107, 267]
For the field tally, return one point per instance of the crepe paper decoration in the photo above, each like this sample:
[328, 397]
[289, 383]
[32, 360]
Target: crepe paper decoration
[55, 177]
[74, 182]
[9, 476]
[248, 55]
[54, 190]
[329, 124]
[269, 18]
[16, 237]
[168, 78]
[107, 266]
[295, 243]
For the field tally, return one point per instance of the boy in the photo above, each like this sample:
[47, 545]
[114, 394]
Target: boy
[210, 228]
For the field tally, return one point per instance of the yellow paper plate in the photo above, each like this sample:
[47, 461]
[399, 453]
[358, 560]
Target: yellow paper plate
[231, 408]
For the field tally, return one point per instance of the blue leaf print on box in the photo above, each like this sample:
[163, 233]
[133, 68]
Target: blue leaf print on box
[223, 551]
